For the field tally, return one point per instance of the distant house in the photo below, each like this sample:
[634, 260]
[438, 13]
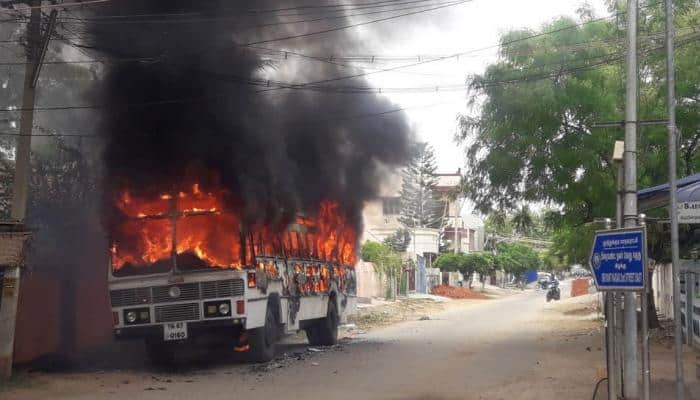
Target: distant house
[381, 219]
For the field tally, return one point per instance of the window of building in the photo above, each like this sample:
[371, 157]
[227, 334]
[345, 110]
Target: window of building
[391, 205]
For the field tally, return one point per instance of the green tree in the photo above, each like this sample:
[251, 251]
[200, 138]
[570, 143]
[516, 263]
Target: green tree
[484, 265]
[387, 263]
[517, 258]
[420, 204]
[523, 221]
[533, 139]
[497, 222]
[399, 240]
[467, 264]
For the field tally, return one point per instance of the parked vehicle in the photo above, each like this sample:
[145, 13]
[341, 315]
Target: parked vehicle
[218, 281]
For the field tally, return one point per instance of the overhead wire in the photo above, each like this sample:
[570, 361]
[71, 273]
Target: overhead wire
[273, 24]
[606, 59]
[52, 6]
[462, 53]
[368, 115]
[543, 75]
[311, 122]
[164, 17]
[346, 89]
[354, 25]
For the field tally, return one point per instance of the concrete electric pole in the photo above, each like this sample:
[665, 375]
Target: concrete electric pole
[35, 51]
[631, 350]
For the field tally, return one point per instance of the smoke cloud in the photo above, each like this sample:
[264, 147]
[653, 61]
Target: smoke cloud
[199, 102]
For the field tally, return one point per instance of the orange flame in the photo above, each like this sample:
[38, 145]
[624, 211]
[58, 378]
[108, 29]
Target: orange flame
[207, 233]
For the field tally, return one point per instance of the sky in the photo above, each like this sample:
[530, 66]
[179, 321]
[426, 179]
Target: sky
[472, 25]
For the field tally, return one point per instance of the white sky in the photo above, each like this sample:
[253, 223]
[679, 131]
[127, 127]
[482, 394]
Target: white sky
[461, 28]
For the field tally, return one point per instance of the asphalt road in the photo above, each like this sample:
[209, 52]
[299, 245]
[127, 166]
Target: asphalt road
[505, 348]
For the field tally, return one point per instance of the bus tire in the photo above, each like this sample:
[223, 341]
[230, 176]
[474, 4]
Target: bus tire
[312, 334]
[325, 331]
[262, 340]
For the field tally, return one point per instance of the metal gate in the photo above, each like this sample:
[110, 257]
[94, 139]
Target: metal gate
[411, 279]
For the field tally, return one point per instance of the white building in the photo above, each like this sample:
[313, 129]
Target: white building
[381, 219]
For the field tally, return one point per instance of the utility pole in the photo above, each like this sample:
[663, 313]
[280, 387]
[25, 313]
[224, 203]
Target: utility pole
[673, 206]
[631, 351]
[35, 51]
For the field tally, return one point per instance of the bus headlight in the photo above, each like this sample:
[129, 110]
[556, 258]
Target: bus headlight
[217, 309]
[131, 317]
[137, 316]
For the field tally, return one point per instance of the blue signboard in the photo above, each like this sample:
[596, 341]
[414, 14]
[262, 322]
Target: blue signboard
[618, 259]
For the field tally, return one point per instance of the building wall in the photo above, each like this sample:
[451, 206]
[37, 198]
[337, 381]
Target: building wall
[369, 283]
[64, 304]
[662, 283]
[377, 225]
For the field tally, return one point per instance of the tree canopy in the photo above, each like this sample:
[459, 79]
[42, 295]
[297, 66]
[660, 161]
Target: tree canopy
[467, 264]
[516, 258]
[398, 240]
[387, 262]
[533, 139]
[523, 221]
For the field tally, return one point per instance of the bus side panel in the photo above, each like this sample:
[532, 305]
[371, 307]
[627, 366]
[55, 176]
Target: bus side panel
[313, 307]
[255, 312]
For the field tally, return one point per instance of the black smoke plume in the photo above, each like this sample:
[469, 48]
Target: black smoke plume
[197, 98]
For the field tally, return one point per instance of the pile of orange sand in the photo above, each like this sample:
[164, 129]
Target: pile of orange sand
[454, 292]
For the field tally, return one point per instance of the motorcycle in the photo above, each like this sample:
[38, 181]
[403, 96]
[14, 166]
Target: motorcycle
[553, 293]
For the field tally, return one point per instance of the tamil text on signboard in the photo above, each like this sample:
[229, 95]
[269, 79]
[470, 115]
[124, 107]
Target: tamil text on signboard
[618, 258]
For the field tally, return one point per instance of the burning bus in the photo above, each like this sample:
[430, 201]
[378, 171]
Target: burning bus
[186, 266]
[267, 246]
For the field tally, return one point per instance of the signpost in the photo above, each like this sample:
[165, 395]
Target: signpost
[618, 262]
[618, 259]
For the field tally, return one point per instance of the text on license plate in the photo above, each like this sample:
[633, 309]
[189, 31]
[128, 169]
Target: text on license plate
[175, 331]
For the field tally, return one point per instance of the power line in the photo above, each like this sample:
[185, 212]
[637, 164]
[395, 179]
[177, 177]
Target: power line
[325, 6]
[356, 116]
[138, 18]
[455, 55]
[339, 28]
[52, 6]
[91, 61]
[312, 122]
[431, 88]
[52, 135]
[352, 90]
[264, 25]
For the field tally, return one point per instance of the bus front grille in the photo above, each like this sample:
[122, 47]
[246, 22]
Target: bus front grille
[177, 312]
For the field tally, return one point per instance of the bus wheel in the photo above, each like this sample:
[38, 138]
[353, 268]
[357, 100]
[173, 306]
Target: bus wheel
[325, 331]
[262, 340]
[312, 334]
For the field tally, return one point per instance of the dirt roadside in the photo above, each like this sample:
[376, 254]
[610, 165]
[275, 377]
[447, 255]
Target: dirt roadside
[383, 314]
[517, 347]
[577, 338]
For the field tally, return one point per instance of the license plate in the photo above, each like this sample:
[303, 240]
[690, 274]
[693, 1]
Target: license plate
[175, 331]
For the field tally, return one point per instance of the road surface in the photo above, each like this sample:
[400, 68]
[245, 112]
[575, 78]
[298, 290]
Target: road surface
[504, 348]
